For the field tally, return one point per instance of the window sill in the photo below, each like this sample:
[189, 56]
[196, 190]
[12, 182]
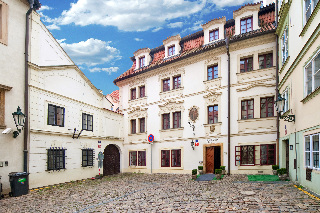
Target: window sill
[171, 168]
[138, 167]
[171, 91]
[171, 129]
[311, 95]
[137, 133]
[52, 171]
[214, 124]
[257, 119]
[138, 99]
[89, 167]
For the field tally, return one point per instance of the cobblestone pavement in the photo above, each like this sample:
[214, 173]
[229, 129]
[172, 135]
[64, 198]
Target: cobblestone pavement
[164, 193]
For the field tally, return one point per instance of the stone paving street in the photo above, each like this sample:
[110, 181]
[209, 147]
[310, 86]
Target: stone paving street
[164, 193]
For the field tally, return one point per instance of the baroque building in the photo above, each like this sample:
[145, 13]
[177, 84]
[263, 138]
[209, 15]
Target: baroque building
[299, 80]
[180, 92]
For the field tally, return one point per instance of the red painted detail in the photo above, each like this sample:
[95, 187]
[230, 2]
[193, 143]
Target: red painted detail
[99, 146]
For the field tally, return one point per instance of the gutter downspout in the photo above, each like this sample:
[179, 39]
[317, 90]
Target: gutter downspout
[277, 85]
[227, 46]
[26, 91]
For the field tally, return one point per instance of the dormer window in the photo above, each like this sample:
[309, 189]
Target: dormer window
[142, 61]
[214, 35]
[246, 25]
[171, 50]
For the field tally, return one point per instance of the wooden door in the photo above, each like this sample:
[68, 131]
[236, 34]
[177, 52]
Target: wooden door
[210, 159]
[287, 156]
[111, 161]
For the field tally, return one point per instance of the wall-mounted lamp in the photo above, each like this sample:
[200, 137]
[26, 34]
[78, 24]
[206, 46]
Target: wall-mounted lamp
[19, 119]
[279, 104]
[75, 133]
[192, 126]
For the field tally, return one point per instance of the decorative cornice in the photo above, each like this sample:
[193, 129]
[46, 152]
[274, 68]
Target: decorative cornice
[246, 8]
[170, 71]
[258, 84]
[283, 16]
[172, 38]
[141, 51]
[311, 95]
[207, 25]
[137, 80]
[4, 87]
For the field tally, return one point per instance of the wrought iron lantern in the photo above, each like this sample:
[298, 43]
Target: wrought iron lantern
[19, 119]
[279, 104]
[192, 144]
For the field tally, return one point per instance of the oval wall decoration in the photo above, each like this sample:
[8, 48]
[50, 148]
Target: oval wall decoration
[193, 114]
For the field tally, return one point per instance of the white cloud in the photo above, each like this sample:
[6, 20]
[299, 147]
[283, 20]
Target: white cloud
[109, 70]
[229, 3]
[175, 25]
[53, 27]
[138, 39]
[157, 29]
[44, 7]
[128, 15]
[195, 27]
[61, 40]
[92, 52]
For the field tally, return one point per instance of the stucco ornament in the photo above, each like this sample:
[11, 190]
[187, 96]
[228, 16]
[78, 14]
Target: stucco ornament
[171, 106]
[194, 113]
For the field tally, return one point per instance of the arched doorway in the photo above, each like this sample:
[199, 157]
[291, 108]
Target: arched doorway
[111, 161]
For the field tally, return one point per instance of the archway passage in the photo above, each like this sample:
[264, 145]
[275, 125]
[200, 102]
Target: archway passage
[111, 161]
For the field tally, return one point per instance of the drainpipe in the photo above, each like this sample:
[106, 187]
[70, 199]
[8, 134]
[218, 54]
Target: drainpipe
[227, 46]
[26, 91]
[277, 86]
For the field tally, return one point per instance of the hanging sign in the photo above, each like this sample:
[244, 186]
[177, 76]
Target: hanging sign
[150, 138]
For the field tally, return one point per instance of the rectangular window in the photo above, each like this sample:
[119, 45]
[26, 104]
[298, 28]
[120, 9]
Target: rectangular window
[171, 50]
[55, 115]
[133, 158]
[268, 154]
[265, 61]
[176, 119]
[284, 45]
[165, 158]
[266, 107]
[87, 122]
[133, 126]
[214, 35]
[285, 95]
[213, 114]
[246, 25]
[141, 158]
[176, 158]
[142, 91]
[56, 159]
[141, 62]
[312, 151]
[312, 75]
[247, 109]
[133, 94]
[247, 155]
[87, 157]
[166, 121]
[246, 64]
[212, 72]
[309, 6]
[142, 124]
[176, 82]
[166, 85]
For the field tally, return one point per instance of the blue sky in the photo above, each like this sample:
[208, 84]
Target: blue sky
[100, 36]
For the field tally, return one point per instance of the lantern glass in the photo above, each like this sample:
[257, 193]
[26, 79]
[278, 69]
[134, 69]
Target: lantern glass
[19, 118]
[279, 103]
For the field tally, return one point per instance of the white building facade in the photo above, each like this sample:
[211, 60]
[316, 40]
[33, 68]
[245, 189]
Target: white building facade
[178, 92]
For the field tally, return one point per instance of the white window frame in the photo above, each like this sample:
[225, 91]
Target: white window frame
[313, 73]
[284, 45]
[311, 6]
[311, 152]
[285, 95]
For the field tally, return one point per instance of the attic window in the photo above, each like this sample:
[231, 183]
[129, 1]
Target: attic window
[213, 35]
[171, 50]
[246, 25]
[142, 62]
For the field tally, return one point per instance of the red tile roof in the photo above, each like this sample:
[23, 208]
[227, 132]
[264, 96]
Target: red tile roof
[192, 44]
[115, 95]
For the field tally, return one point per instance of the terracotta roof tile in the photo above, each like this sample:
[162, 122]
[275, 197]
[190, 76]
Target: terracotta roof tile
[250, 4]
[193, 43]
[115, 95]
